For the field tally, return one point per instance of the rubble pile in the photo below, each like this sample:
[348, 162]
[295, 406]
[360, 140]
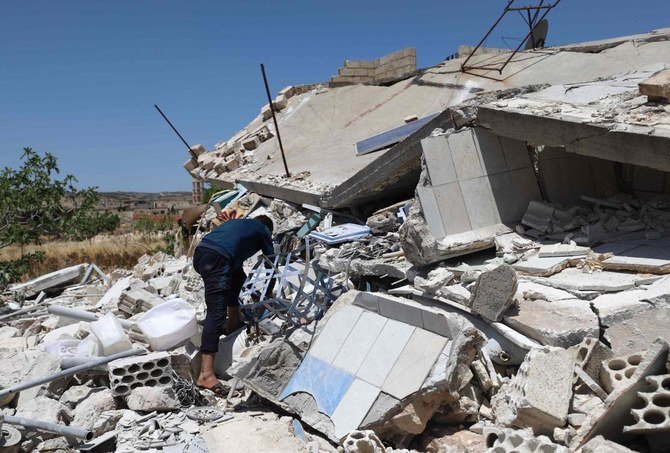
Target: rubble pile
[496, 279]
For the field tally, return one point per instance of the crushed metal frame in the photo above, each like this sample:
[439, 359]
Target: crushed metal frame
[289, 301]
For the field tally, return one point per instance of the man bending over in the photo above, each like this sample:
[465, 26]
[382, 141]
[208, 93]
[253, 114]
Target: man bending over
[218, 259]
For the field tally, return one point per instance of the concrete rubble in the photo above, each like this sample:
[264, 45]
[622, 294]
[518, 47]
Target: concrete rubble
[493, 277]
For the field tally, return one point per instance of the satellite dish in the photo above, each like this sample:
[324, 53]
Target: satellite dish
[538, 36]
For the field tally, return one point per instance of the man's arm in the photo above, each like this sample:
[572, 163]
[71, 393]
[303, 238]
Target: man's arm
[266, 246]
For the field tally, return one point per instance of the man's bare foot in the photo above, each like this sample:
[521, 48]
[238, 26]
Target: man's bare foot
[207, 381]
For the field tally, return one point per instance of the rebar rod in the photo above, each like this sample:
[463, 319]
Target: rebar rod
[191, 152]
[274, 119]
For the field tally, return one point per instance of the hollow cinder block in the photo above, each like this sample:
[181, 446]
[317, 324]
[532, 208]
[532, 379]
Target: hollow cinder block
[616, 372]
[503, 440]
[150, 370]
[590, 355]
[652, 410]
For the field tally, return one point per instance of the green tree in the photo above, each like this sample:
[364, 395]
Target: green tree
[36, 203]
[210, 190]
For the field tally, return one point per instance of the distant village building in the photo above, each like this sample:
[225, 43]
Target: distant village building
[198, 191]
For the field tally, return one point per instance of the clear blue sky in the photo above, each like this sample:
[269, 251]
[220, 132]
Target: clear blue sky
[79, 78]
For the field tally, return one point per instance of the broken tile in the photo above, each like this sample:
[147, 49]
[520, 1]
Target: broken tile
[541, 266]
[353, 407]
[414, 363]
[385, 352]
[359, 342]
[570, 249]
[324, 382]
[335, 332]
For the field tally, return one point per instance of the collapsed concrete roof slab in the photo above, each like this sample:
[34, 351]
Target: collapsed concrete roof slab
[320, 127]
[607, 119]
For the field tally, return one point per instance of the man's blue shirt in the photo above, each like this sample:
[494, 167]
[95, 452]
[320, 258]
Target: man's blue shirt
[238, 240]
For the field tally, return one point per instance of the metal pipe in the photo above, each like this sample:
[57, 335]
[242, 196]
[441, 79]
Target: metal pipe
[69, 372]
[69, 362]
[39, 303]
[274, 119]
[191, 152]
[82, 315]
[79, 433]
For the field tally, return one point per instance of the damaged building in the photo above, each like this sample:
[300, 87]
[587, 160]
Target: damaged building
[468, 260]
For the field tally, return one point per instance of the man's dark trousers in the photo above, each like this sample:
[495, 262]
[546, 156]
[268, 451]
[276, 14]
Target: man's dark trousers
[223, 284]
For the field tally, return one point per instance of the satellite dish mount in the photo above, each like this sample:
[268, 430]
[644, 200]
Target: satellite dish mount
[534, 39]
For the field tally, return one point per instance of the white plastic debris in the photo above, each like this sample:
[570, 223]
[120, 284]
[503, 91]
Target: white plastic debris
[109, 331]
[168, 324]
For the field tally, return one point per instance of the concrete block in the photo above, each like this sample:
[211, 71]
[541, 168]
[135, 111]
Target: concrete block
[503, 440]
[657, 87]
[652, 413]
[198, 149]
[353, 407]
[590, 354]
[251, 143]
[385, 352]
[601, 445]
[439, 163]
[190, 164]
[634, 334]
[538, 216]
[575, 280]
[540, 393]
[266, 113]
[494, 292]
[335, 332]
[561, 323]
[288, 92]
[347, 72]
[151, 370]
[610, 421]
[359, 342]
[414, 364]
[616, 372]
[280, 102]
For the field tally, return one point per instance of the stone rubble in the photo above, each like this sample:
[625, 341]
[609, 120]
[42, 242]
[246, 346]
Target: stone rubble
[534, 325]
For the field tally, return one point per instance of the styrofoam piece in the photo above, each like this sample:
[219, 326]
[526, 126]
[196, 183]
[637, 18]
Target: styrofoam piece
[652, 413]
[111, 335]
[89, 347]
[168, 324]
[616, 372]
[151, 370]
[63, 348]
[341, 233]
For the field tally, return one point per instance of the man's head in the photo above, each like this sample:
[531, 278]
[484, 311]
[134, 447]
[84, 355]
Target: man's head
[265, 220]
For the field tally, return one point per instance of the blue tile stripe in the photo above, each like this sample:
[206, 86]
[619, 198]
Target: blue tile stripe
[327, 384]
